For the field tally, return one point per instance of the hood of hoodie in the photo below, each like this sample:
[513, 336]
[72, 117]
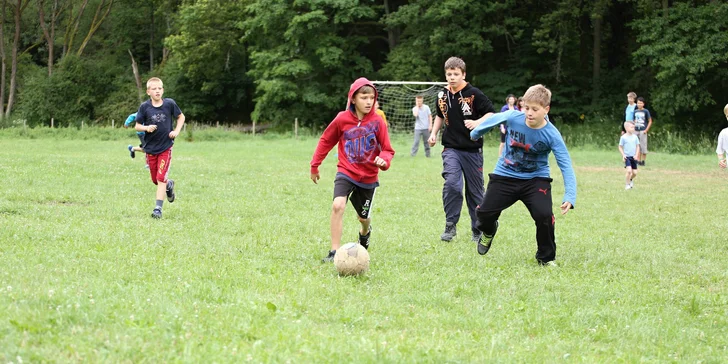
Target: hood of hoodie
[359, 83]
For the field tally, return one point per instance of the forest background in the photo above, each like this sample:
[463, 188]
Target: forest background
[272, 61]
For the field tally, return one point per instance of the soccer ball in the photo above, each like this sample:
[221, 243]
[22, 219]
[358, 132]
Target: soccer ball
[351, 259]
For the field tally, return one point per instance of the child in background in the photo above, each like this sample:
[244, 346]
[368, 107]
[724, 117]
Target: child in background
[722, 143]
[423, 125]
[642, 125]
[629, 146]
[140, 134]
[155, 118]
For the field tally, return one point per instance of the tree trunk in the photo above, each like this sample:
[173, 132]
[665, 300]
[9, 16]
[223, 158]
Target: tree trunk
[2, 64]
[597, 58]
[18, 12]
[584, 38]
[72, 27]
[137, 78]
[151, 41]
[392, 33]
[95, 24]
[665, 6]
[49, 35]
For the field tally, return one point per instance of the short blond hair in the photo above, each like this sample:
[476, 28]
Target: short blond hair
[725, 111]
[632, 95]
[154, 79]
[455, 63]
[538, 93]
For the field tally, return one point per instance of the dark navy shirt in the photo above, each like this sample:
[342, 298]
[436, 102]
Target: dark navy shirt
[641, 119]
[163, 117]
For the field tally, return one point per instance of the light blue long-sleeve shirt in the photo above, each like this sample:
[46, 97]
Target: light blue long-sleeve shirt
[131, 121]
[526, 152]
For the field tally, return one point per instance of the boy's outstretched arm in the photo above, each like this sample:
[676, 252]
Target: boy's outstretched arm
[563, 159]
[327, 141]
[489, 123]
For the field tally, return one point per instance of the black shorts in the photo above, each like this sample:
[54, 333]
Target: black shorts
[630, 162]
[141, 139]
[361, 198]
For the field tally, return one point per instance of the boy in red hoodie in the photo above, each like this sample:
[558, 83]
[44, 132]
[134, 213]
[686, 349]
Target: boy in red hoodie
[364, 149]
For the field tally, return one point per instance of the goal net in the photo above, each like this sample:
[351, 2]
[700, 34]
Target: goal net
[397, 98]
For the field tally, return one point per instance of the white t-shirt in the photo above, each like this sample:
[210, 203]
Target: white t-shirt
[722, 142]
[422, 121]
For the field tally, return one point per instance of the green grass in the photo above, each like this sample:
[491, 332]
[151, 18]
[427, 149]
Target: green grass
[232, 272]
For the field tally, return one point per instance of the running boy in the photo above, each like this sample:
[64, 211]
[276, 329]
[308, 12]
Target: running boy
[364, 149]
[140, 134]
[155, 119]
[522, 172]
[642, 124]
[460, 108]
[722, 142]
[629, 146]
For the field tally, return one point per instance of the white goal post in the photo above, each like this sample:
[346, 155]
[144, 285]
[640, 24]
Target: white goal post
[397, 98]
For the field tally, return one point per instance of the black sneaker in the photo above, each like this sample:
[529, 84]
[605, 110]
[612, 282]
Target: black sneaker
[131, 151]
[170, 191]
[157, 213]
[330, 257]
[476, 237]
[449, 233]
[486, 240]
[364, 239]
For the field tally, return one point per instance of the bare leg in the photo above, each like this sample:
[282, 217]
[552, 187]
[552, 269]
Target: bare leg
[337, 221]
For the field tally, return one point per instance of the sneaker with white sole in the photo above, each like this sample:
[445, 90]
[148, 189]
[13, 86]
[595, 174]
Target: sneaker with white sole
[131, 151]
[330, 257]
[364, 239]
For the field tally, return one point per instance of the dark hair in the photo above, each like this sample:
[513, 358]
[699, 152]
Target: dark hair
[509, 96]
[641, 99]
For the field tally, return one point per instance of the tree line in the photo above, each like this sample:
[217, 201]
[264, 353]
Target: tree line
[276, 60]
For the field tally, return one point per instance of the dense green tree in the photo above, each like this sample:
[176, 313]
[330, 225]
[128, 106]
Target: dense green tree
[277, 60]
[687, 51]
[305, 54]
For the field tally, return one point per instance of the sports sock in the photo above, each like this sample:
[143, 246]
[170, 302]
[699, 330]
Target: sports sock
[159, 204]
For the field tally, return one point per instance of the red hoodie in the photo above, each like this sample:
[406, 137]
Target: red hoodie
[360, 141]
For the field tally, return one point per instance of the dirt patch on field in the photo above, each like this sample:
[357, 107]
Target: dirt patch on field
[672, 172]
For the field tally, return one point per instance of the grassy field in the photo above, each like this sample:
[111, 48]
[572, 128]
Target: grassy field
[232, 272]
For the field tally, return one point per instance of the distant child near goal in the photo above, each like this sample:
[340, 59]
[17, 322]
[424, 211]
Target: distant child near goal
[364, 149]
[522, 172]
[723, 143]
[155, 118]
[423, 125]
[629, 146]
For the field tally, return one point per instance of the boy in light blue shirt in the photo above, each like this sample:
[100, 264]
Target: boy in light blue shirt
[522, 172]
[629, 146]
